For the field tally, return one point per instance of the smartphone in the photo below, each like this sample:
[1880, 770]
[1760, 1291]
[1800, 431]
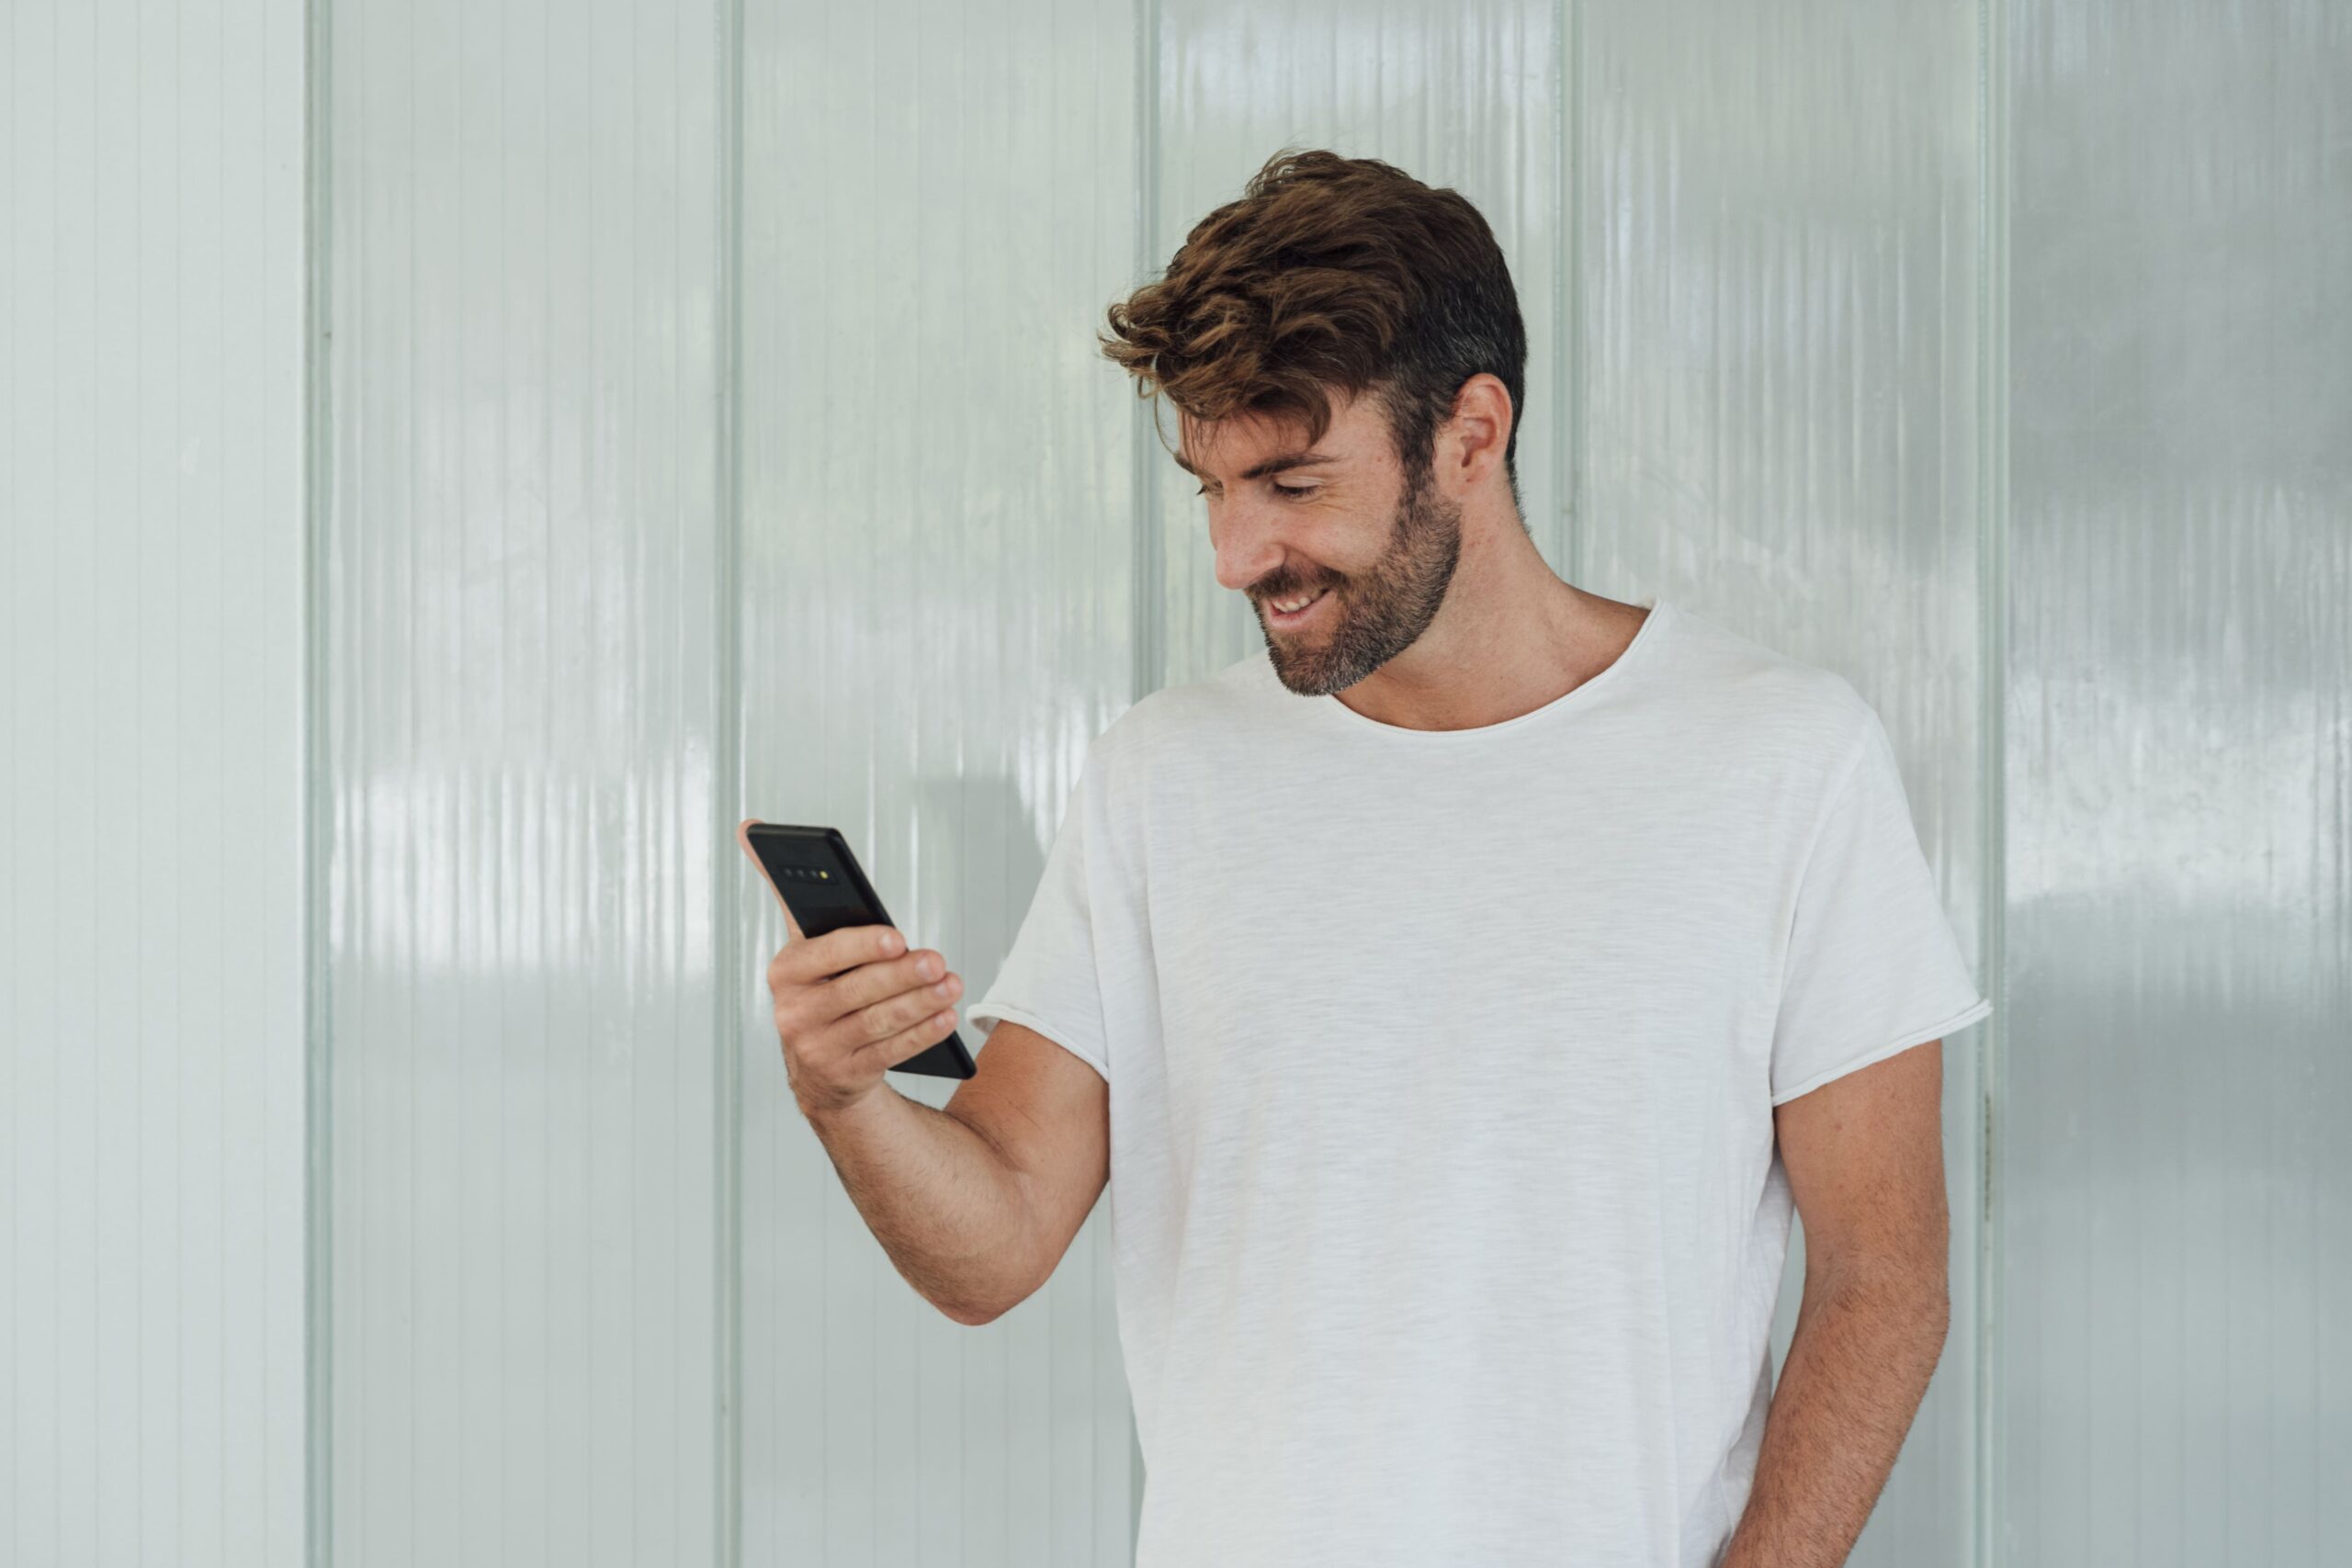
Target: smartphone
[813, 871]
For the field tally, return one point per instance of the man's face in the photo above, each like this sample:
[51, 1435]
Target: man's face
[1340, 524]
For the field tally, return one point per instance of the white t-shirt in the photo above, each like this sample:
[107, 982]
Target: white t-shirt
[1446, 1213]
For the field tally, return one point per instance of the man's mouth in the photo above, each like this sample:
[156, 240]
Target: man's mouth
[1300, 608]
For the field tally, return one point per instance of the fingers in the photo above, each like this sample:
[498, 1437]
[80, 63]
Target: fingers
[895, 994]
[867, 1002]
[833, 1062]
[914, 1040]
[899, 1024]
[810, 960]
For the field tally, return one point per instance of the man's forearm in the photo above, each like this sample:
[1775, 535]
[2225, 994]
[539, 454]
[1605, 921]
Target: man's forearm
[1857, 1369]
[946, 1208]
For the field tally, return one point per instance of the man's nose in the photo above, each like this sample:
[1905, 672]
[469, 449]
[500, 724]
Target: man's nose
[1248, 546]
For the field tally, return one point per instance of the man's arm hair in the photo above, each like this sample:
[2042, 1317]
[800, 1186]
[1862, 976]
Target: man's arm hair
[938, 1196]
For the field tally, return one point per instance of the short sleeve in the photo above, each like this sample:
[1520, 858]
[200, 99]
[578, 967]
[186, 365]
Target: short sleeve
[1872, 966]
[1080, 945]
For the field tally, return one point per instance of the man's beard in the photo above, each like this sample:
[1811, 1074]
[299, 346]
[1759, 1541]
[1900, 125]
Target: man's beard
[1374, 618]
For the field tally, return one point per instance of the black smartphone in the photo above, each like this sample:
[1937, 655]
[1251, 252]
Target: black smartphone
[823, 885]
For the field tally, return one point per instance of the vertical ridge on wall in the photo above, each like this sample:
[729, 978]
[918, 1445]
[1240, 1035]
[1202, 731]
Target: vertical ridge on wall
[728, 961]
[1148, 528]
[1568, 521]
[1993, 597]
[1150, 635]
[317, 804]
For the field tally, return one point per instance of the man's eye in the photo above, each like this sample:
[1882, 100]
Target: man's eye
[1293, 490]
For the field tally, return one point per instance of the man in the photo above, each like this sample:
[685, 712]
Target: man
[1455, 999]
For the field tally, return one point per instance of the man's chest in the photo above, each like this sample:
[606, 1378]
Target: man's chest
[1617, 950]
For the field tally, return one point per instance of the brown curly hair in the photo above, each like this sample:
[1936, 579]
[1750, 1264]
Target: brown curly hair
[1330, 272]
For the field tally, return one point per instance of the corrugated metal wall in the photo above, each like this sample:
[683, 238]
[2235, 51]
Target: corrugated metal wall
[707, 424]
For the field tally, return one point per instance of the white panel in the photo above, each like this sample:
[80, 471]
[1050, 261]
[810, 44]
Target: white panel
[937, 611]
[523, 689]
[150, 783]
[2176, 1382]
[1780, 254]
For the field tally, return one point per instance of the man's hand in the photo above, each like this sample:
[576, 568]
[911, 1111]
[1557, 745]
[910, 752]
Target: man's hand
[852, 1004]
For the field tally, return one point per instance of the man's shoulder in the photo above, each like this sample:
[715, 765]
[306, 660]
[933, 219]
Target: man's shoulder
[1759, 698]
[1174, 719]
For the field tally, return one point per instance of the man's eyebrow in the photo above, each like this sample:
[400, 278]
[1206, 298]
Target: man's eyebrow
[1273, 465]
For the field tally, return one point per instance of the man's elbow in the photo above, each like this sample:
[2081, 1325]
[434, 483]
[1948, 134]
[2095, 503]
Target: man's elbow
[970, 1316]
[1935, 1324]
[978, 1316]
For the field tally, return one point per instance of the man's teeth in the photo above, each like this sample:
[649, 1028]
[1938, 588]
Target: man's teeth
[1292, 606]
